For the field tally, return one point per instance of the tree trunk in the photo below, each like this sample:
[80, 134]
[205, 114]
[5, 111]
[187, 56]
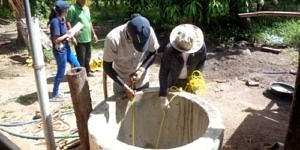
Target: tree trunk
[81, 100]
[19, 12]
[292, 140]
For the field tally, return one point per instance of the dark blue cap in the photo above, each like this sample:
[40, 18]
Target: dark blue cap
[139, 30]
[61, 5]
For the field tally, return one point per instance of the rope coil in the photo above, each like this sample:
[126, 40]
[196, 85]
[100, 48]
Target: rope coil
[196, 83]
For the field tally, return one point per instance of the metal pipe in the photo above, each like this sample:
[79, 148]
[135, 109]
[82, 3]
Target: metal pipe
[40, 76]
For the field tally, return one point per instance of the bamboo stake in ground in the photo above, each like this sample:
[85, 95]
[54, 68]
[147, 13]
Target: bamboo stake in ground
[81, 100]
[270, 13]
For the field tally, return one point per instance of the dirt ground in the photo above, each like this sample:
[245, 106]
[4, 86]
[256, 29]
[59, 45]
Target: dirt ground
[253, 117]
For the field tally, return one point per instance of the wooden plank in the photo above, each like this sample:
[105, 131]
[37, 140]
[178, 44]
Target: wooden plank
[270, 13]
[272, 50]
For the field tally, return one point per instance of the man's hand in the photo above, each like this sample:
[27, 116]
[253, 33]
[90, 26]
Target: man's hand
[95, 38]
[129, 92]
[137, 75]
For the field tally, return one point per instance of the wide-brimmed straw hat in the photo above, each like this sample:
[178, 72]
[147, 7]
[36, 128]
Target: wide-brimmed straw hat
[187, 38]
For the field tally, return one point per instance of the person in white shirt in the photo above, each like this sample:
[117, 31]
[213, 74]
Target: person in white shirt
[129, 50]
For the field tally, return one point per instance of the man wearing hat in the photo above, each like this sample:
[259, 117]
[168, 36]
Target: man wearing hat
[129, 50]
[185, 53]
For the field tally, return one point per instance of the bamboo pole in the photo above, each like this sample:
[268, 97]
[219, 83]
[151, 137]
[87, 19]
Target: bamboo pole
[293, 133]
[105, 85]
[81, 100]
[40, 77]
[270, 13]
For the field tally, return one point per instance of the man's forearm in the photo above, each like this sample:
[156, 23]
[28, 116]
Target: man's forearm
[107, 66]
[92, 28]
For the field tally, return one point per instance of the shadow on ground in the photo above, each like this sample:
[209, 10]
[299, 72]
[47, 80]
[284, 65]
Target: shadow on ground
[268, 125]
[50, 80]
[21, 59]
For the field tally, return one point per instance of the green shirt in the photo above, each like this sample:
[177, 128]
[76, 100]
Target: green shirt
[82, 15]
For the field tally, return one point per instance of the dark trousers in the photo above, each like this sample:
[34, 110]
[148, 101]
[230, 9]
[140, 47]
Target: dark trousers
[83, 53]
[180, 83]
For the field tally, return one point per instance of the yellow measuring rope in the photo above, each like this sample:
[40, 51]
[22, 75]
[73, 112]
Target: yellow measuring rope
[195, 85]
[160, 128]
[132, 105]
[172, 89]
[133, 121]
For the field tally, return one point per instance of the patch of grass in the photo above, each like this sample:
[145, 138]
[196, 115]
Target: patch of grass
[4, 116]
[27, 99]
[5, 12]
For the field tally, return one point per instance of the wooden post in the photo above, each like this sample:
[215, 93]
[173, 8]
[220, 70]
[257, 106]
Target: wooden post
[105, 85]
[292, 140]
[18, 9]
[81, 100]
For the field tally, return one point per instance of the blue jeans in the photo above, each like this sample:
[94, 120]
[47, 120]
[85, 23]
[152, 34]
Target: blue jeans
[61, 59]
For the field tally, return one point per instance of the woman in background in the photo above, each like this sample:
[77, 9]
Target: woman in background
[61, 47]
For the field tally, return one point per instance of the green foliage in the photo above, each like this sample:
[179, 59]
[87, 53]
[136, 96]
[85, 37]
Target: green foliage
[172, 13]
[109, 14]
[192, 13]
[218, 18]
[41, 8]
[6, 114]
[5, 11]
[217, 9]
[152, 11]
[288, 30]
